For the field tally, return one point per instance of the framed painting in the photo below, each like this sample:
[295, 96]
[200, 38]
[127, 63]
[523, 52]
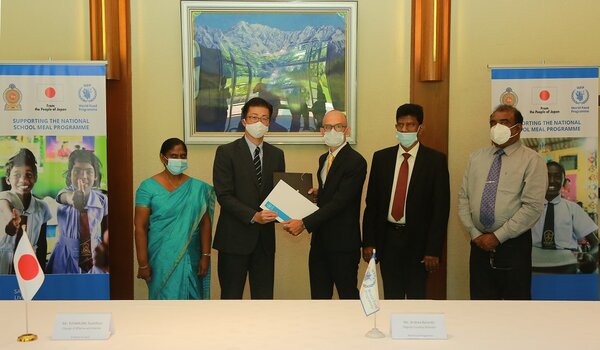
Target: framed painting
[299, 56]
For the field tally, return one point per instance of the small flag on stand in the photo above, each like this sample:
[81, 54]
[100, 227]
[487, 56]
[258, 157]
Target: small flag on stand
[369, 291]
[27, 268]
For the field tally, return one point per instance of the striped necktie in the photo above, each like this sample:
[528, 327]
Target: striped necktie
[257, 166]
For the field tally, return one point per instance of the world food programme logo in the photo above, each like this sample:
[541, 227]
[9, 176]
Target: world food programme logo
[580, 95]
[509, 97]
[87, 93]
[12, 97]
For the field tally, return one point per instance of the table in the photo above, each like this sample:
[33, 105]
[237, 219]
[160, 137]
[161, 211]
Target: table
[305, 324]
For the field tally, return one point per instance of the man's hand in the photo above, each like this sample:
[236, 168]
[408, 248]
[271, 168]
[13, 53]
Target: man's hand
[367, 253]
[264, 216]
[432, 263]
[314, 192]
[487, 242]
[293, 227]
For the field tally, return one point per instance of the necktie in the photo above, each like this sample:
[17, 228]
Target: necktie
[329, 162]
[548, 235]
[488, 198]
[85, 242]
[400, 194]
[257, 166]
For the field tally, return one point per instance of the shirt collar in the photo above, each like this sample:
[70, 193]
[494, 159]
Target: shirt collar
[510, 149]
[251, 145]
[413, 151]
[335, 153]
[555, 200]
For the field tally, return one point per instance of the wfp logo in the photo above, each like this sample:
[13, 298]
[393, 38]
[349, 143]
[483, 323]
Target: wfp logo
[87, 93]
[580, 95]
[369, 280]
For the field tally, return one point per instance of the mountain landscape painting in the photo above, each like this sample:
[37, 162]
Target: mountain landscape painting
[297, 60]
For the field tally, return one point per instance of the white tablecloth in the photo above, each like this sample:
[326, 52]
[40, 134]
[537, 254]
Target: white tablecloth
[304, 324]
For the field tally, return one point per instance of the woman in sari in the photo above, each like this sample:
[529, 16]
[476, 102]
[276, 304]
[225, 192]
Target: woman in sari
[173, 215]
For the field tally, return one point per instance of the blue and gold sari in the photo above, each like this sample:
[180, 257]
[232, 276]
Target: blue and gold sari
[174, 246]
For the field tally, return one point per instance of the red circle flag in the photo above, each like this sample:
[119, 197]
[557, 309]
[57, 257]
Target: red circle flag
[50, 92]
[28, 267]
[544, 95]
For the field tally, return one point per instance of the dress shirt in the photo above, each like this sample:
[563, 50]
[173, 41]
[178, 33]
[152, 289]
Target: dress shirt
[253, 147]
[571, 223]
[411, 164]
[324, 168]
[520, 196]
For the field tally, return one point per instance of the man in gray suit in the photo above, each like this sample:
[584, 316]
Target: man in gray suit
[245, 235]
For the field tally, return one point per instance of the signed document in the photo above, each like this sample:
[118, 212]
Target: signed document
[288, 203]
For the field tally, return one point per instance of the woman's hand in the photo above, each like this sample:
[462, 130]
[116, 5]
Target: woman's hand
[203, 265]
[145, 273]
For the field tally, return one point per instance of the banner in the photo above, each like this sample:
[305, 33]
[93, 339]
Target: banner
[53, 174]
[560, 112]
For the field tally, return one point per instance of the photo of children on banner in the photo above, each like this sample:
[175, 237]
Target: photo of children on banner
[564, 239]
[20, 208]
[82, 243]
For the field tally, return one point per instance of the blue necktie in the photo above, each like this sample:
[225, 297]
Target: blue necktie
[488, 198]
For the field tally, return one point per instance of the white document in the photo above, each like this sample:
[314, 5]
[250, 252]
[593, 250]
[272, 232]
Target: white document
[288, 203]
[82, 326]
[418, 326]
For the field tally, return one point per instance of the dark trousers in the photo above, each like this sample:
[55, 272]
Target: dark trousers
[327, 269]
[234, 268]
[504, 274]
[404, 276]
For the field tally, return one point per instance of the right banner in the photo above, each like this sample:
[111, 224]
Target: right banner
[560, 112]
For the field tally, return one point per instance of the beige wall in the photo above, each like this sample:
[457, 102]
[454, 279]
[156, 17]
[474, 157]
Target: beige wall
[157, 100]
[502, 33]
[42, 30]
[483, 33]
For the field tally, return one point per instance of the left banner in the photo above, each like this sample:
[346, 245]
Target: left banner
[53, 175]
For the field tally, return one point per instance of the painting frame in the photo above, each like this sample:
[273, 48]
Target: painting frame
[303, 77]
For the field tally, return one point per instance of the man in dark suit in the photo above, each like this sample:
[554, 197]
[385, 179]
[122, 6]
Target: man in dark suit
[335, 247]
[245, 235]
[406, 216]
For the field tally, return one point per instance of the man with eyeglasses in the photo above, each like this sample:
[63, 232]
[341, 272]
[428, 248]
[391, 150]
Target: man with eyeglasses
[406, 217]
[501, 198]
[335, 246]
[245, 234]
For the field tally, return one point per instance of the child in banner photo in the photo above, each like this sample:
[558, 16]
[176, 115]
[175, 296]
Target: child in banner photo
[82, 243]
[19, 207]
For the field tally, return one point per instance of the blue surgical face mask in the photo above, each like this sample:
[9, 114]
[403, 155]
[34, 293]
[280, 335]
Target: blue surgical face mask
[407, 139]
[176, 166]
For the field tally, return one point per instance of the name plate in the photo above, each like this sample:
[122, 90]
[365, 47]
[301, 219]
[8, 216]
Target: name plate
[82, 326]
[418, 326]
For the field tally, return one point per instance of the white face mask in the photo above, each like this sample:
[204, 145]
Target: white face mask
[257, 130]
[333, 138]
[500, 134]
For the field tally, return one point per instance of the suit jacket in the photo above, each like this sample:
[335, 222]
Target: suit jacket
[239, 195]
[427, 202]
[336, 225]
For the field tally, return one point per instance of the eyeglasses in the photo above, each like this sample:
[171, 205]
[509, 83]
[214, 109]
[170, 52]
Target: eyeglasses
[493, 263]
[337, 127]
[255, 118]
